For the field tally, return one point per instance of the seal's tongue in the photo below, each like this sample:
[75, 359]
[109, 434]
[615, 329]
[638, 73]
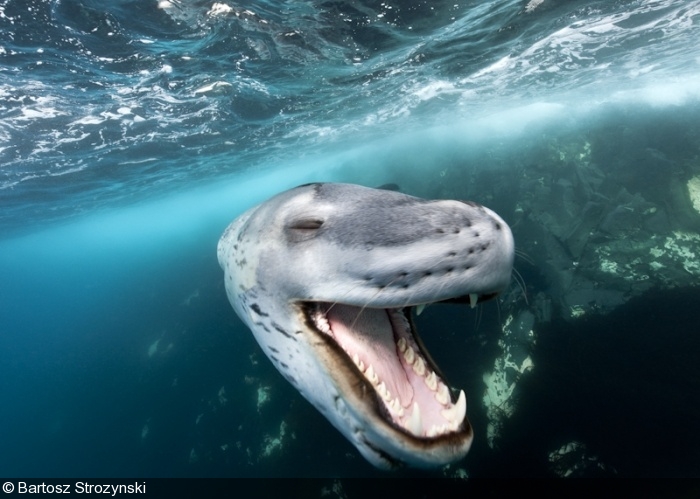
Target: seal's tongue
[368, 333]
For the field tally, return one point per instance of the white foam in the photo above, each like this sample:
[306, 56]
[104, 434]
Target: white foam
[215, 86]
[671, 92]
[433, 89]
[219, 9]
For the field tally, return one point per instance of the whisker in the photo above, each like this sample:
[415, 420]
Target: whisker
[339, 300]
[517, 276]
[478, 316]
[498, 311]
[362, 309]
[408, 300]
[524, 256]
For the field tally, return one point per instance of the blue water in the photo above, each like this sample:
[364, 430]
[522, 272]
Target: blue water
[133, 132]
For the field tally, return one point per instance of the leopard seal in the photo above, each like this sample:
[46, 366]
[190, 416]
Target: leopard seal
[325, 276]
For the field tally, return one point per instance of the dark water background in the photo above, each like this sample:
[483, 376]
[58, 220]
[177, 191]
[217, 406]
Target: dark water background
[132, 132]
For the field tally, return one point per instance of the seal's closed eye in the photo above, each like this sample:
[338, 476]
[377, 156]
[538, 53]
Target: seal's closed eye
[303, 229]
[306, 224]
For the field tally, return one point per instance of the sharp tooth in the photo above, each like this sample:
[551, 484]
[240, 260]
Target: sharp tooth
[381, 388]
[415, 423]
[443, 394]
[391, 405]
[356, 359]
[361, 365]
[409, 354]
[473, 298]
[420, 308]
[371, 375]
[431, 381]
[455, 414]
[401, 344]
[396, 407]
[419, 366]
[461, 407]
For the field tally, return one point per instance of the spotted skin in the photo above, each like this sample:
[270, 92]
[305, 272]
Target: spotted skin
[361, 247]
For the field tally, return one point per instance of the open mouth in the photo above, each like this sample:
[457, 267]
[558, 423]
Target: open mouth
[386, 351]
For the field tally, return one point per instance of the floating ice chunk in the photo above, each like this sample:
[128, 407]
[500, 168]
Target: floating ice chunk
[272, 444]
[263, 396]
[153, 348]
[193, 295]
[501, 382]
[694, 192]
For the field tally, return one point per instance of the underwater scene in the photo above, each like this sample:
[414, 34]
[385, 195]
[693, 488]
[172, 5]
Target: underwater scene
[133, 132]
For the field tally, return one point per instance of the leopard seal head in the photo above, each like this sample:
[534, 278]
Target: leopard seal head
[325, 275]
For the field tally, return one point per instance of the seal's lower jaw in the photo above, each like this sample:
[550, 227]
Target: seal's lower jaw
[389, 383]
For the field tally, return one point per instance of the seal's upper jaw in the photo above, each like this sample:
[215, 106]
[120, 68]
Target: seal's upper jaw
[399, 405]
[361, 246]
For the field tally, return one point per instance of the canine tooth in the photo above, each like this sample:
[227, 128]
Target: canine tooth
[461, 407]
[361, 365]
[401, 344]
[443, 394]
[431, 381]
[455, 414]
[409, 355]
[415, 423]
[420, 308]
[419, 366]
[356, 359]
[473, 298]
